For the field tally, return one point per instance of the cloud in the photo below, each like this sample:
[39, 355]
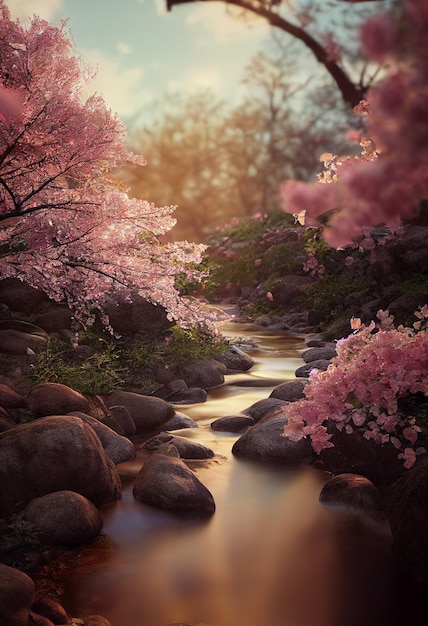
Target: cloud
[122, 87]
[226, 27]
[23, 9]
[202, 79]
[124, 48]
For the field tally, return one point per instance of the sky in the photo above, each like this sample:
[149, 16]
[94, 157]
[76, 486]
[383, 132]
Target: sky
[140, 51]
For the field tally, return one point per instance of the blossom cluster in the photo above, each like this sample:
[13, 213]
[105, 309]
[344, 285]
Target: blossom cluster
[384, 184]
[376, 368]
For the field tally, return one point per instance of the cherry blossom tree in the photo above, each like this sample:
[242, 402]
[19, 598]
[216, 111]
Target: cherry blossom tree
[384, 184]
[67, 226]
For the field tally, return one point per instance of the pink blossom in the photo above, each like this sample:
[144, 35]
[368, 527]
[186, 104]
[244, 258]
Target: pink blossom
[409, 456]
[377, 36]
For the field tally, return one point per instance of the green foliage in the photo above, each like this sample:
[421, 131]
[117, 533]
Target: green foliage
[99, 366]
[101, 372]
[17, 539]
[327, 296]
[283, 258]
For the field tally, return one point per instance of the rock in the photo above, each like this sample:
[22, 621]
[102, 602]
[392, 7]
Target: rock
[54, 454]
[169, 389]
[10, 399]
[17, 342]
[235, 359]
[406, 304]
[6, 423]
[352, 453]
[232, 423]
[262, 408]
[138, 317]
[55, 399]
[97, 620]
[191, 395]
[353, 492]
[288, 288]
[51, 609]
[16, 596]
[205, 374]
[167, 483]
[305, 370]
[148, 413]
[64, 518]
[39, 620]
[290, 391]
[187, 449]
[117, 448]
[407, 513]
[20, 297]
[316, 354]
[179, 421]
[120, 420]
[57, 318]
[265, 443]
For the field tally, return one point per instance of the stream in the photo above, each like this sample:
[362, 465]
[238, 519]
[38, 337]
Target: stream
[271, 555]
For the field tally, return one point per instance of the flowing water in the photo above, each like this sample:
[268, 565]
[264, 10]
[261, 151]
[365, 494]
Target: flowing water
[270, 556]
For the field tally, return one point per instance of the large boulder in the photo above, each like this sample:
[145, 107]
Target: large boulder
[54, 454]
[64, 518]
[148, 412]
[18, 296]
[117, 447]
[16, 596]
[55, 399]
[167, 483]
[265, 443]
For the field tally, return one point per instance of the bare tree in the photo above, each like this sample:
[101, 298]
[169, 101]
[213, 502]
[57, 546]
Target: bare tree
[352, 91]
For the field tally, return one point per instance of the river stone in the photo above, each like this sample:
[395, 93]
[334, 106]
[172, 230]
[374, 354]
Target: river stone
[265, 443]
[55, 399]
[39, 620]
[353, 453]
[305, 370]
[64, 518]
[235, 360]
[16, 596]
[262, 408]
[205, 374]
[54, 454]
[290, 391]
[50, 608]
[120, 420]
[232, 423]
[187, 449]
[147, 412]
[10, 399]
[315, 354]
[179, 421]
[191, 395]
[167, 483]
[353, 492]
[17, 342]
[169, 389]
[117, 448]
[407, 513]
[97, 620]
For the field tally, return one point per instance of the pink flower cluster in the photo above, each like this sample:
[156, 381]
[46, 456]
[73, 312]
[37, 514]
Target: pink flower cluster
[375, 367]
[384, 184]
